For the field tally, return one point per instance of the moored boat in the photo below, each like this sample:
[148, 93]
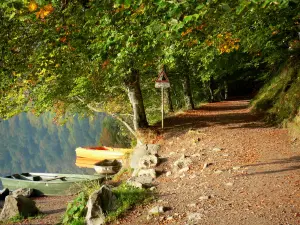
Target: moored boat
[102, 153]
[52, 184]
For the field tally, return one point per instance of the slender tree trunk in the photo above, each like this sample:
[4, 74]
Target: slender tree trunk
[188, 99]
[225, 90]
[169, 99]
[136, 99]
[212, 88]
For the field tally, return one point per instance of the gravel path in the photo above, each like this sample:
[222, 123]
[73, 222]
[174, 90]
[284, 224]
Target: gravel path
[243, 171]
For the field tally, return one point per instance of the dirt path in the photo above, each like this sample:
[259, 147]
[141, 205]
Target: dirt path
[252, 175]
[253, 179]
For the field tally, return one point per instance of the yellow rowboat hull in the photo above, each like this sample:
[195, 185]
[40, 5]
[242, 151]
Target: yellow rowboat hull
[101, 153]
[86, 162]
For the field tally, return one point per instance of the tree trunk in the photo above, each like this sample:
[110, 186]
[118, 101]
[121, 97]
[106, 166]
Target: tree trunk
[225, 90]
[189, 104]
[169, 99]
[136, 99]
[212, 87]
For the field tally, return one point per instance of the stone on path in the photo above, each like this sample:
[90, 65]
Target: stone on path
[194, 218]
[156, 210]
[4, 193]
[182, 164]
[216, 149]
[100, 202]
[26, 192]
[19, 205]
[204, 197]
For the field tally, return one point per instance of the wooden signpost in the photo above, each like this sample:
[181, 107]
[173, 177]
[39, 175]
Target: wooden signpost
[162, 82]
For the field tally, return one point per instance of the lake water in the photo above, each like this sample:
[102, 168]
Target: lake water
[35, 144]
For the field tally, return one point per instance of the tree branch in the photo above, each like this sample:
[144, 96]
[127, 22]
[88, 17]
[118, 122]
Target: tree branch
[95, 109]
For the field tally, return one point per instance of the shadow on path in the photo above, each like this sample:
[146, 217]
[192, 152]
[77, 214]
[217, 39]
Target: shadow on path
[235, 114]
[286, 161]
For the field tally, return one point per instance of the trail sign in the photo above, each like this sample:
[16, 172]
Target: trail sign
[162, 80]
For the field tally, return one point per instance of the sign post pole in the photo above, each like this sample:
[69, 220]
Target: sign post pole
[162, 108]
[162, 82]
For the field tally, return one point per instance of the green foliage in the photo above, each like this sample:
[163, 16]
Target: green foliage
[127, 197]
[113, 134]
[279, 98]
[87, 188]
[21, 218]
[76, 210]
[81, 55]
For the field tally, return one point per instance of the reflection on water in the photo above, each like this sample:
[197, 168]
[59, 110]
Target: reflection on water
[36, 144]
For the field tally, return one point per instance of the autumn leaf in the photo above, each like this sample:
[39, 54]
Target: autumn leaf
[45, 11]
[32, 6]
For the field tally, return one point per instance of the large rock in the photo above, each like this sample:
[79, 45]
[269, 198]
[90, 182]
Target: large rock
[26, 192]
[4, 193]
[99, 203]
[140, 181]
[148, 161]
[153, 149]
[140, 151]
[19, 205]
[147, 172]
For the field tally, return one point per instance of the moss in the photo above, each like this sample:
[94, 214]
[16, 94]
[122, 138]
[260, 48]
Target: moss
[279, 99]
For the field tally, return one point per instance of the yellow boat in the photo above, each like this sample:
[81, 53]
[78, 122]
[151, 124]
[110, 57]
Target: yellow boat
[86, 162]
[102, 152]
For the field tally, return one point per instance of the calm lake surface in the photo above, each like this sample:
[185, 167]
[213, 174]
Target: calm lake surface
[36, 144]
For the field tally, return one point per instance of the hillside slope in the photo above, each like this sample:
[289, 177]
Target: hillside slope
[279, 99]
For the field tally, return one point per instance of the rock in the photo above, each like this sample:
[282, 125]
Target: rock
[229, 184]
[193, 176]
[4, 193]
[135, 184]
[192, 205]
[26, 192]
[148, 161]
[194, 218]
[169, 173]
[147, 172]
[140, 151]
[206, 165]
[170, 218]
[216, 149]
[236, 167]
[19, 205]
[204, 197]
[144, 180]
[196, 155]
[182, 164]
[152, 188]
[156, 210]
[185, 169]
[153, 149]
[100, 202]
[218, 171]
